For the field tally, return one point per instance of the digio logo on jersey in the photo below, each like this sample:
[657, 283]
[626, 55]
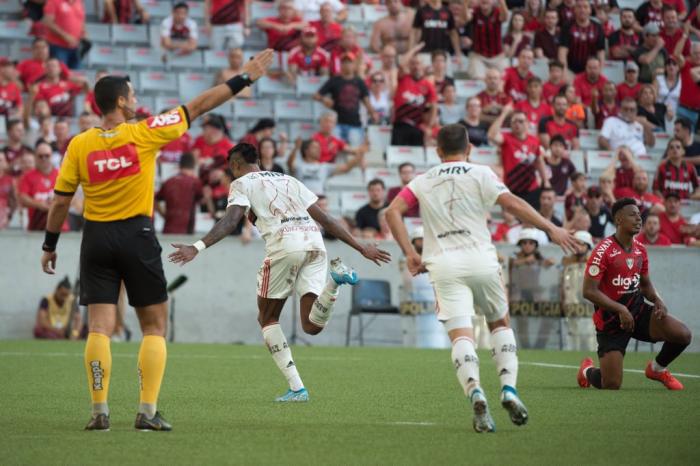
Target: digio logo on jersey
[108, 165]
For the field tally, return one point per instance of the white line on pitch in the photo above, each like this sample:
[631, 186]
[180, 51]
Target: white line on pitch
[565, 366]
[410, 423]
[176, 356]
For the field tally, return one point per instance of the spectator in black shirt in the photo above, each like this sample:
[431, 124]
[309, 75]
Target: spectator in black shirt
[476, 128]
[367, 217]
[601, 220]
[343, 94]
[547, 38]
[625, 40]
[547, 199]
[581, 39]
[559, 165]
[434, 25]
[647, 107]
[682, 130]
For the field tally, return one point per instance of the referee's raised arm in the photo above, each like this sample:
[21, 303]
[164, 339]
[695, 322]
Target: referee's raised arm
[217, 95]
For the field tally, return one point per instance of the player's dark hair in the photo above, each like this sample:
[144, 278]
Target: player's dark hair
[453, 139]
[406, 164]
[376, 181]
[65, 283]
[557, 138]
[179, 5]
[244, 150]
[621, 204]
[187, 161]
[108, 90]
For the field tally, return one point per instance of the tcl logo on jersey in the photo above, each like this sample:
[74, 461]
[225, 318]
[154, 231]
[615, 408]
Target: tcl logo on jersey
[166, 119]
[626, 282]
[107, 165]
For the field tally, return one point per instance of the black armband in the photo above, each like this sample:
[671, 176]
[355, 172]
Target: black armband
[50, 241]
[238, 83]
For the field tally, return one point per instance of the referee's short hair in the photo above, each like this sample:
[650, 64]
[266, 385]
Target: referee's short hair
[453, 139]
[244, 150]
[108, 90]
[621, 204]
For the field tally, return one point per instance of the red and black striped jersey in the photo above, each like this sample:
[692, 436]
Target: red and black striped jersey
[226, 11]
[412, 99]
[582, 42]
[486, 33]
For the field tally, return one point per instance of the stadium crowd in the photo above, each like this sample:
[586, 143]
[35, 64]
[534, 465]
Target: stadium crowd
[531, 81]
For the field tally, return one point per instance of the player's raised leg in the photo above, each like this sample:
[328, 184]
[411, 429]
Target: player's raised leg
[316, 310]
[98, 362]
[676, 337]
[151, 366]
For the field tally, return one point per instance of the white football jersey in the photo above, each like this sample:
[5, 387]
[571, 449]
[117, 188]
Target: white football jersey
[455, 199]
[278, 204]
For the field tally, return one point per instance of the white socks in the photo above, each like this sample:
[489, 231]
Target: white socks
[656, 367]
[505, 356]
[322, 308]
[466, 364]
[279, 349]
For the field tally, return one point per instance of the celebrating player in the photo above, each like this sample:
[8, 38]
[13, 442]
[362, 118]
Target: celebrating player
[617, 282]
[455, 198]
[284, 210]
[115, 164]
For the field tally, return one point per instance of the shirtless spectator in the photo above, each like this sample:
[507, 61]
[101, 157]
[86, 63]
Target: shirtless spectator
[389, 68]
[178, 32]
[235, 67]
[227, 21]
[283, 30]
[393, 29]
[329, 31]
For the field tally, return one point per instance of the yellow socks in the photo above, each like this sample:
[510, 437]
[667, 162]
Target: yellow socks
[98, 364]
[151, 367]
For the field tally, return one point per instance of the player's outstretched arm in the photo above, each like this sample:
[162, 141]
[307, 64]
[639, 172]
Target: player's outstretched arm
[526, 213]
[334, 227]
[394, 217]
[217, 95]
[57, 215]
[223, 228]
[592, 293]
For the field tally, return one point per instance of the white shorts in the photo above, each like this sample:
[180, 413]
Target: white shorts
[461, 296]
[301, 271]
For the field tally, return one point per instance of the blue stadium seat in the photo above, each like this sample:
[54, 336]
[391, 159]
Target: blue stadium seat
[252, 109]
[144, 57]
[133, 34]
[158, 82]
[396, 155]
[369, 297]
[190, 85]
[275, 87]
[106, 56]
[192, 61]
[98, 33]
[16, 30]
[308, 85]
[293, 109]
[215, 59]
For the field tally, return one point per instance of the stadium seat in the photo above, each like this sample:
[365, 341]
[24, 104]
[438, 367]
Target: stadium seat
[578, 158]
[540, 68]
[103, 55]
[192, 61]
[9, 7]
[588, 138]
[334, 203]
[252, 109]
[389, 176]
[133, 34]
[648, 164]
[363, 38]
[196, 10]
[98, 32]
[369, 297]
[351, 201]
[16, 30]
[661, 141]
[260, 10]
[485, 156]
[89, 75]
[466, 88]
[319, 109]
[301, 129]
[614, 70]
[190, 85]
[431, 157]
[166, 103]
[157, 82]
[20, 50]
[355, 14]
[268, 86]
[149, 102]
[396, 155]
[308, 85]
[144, 57]
[215, 59]
[598, 161]
[293, 109]
[373, 13]
[379, 137]
[352, 180]
[157, 9]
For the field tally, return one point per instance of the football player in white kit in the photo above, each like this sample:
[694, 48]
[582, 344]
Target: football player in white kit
[285, 212]
[455, 198]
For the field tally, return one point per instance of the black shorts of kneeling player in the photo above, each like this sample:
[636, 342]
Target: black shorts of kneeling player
[618, 340]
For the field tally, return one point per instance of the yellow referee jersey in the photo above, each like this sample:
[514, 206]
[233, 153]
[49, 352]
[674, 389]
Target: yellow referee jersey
[117, 167]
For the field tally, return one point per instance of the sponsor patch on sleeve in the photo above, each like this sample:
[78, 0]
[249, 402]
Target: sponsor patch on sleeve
[164, 119]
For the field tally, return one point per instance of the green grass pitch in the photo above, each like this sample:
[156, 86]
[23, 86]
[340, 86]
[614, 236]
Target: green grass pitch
[368, 406]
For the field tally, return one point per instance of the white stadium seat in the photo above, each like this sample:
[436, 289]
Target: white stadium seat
[598, 160]
[661, 141]
[578, 158]
[135, 34]
[614, 70]
[351, 201]
[390, 176]
[20, 50]
[467, 88]
[17, 30]
[165, 102]
[158, 81]
[485, 156]
[192, 61]
[102, 55]
[293, 109]
[308, 85]
[157, 9]
[373, 13]
[190, 85]
[260, 10]
[301, 129]
[274, 87]
[144, 57]
[396, 155]
[98, 32]
[352, 180]
[215, 59]
[431, 157]
[252, 109]
[588, 138]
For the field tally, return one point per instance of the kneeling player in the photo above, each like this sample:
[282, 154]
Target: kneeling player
[284, 211]
[617, 282]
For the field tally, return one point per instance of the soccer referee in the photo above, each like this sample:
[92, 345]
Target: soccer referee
[115, 165]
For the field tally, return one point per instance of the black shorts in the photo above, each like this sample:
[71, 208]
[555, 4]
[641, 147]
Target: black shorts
[617, 341]
[123, 250]
[406, 135]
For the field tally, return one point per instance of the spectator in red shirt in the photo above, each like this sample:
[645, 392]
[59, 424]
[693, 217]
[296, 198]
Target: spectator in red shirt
[534, 107]
[10, 93]
[673, 34]
[15, 147]
[263, 128]
[407, 171]
[625, 40]
[57, 92]
[675, 174]
[558, 124]
[125, 12]
[36, 188]
[172, 151]
[179, 32]
[213, 142]
[689, 101]
[486, 21]
[630, 87]
[283, 30]
[673, 225]
[648, 202]
[516, 77]
[520, 157]
[329, 31]
[581, 40]
[8, 203]
[308, 59]
[606, 106]
[589, 84]
[492, 99]
[547, 38]
[33, 69]
[227, 21]
[578, 195]
[178, 197]
[555, 81]
[651, 234]
[331, 145]
[65, 21]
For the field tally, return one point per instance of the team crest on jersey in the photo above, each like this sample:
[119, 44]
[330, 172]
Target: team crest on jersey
[163, 120]
[629, 262]
[593, 270]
